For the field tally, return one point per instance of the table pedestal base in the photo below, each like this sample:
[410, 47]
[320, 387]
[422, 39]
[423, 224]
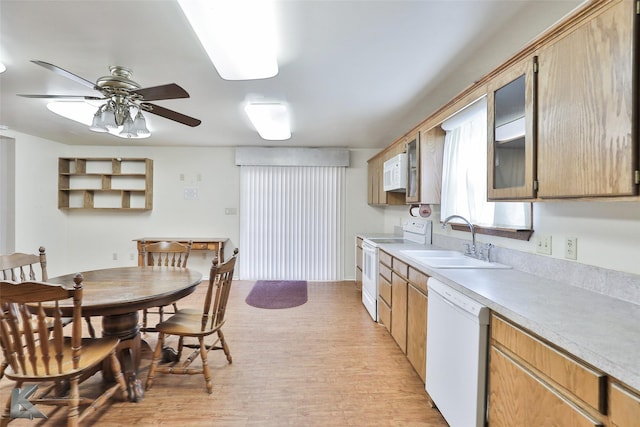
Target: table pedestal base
[125, 326]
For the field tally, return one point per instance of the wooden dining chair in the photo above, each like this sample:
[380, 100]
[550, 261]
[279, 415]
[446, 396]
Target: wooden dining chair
[163, 254]
[20, 267]
[198, 324]
[48, 358]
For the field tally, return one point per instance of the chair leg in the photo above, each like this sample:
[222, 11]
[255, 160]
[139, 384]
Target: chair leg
[92, 332]
[144, 320]
[5, 419]
[74, 402]
[154, 362]
[3, 366]
[117, 374]
[205, 366]
[224, 345]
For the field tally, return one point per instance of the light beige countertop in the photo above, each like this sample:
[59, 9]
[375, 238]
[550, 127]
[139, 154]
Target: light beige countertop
[599, 329]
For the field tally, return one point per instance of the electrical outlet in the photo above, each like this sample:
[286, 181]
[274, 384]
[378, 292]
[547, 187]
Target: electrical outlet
[131, 257]
[543, 245]
[115, 256]
[571, 248]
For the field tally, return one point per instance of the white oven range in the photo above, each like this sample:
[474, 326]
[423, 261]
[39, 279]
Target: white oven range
[414, 231]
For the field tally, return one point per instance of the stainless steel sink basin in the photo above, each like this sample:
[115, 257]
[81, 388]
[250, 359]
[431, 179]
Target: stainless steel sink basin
[449, 259]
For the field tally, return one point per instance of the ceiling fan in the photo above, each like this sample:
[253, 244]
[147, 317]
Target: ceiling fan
[122, 95]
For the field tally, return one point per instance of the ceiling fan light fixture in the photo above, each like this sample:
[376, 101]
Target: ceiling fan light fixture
[109, 117]
[97, 125]
[271, 120]
[85, 113]
[140, 125]
[128, 129]
[238, 36]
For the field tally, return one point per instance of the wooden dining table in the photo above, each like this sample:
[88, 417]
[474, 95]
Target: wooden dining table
[118, 294]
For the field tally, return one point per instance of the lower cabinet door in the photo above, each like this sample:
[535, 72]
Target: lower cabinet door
[417, 330]
[399, 307]
[519, 399]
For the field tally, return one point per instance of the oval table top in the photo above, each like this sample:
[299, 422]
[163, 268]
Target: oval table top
[128, 289]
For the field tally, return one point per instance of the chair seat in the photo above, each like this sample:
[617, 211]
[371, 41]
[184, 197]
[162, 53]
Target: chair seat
[94, 351]
[186, 322]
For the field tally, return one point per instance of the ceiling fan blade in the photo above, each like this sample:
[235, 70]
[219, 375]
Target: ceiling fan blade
[170, 114]
[66, 74]
[88, 98]
[169, 91]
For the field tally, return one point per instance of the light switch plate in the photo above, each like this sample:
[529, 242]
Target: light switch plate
[543, 245]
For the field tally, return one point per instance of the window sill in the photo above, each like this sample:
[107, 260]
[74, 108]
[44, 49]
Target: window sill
[508, 233]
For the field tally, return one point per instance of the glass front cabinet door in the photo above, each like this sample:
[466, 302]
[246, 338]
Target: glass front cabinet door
[413, 169]
[511, 132]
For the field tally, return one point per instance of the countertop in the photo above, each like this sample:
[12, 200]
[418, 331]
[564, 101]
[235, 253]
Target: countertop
[601, 330]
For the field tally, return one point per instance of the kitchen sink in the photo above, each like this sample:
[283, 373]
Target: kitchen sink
[449, 259]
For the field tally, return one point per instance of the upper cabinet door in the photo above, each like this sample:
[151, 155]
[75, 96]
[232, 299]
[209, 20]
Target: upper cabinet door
[431, 143]
[585, 101]
[511, 119]
[413, 169]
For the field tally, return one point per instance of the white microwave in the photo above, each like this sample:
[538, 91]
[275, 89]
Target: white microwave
[395, 173]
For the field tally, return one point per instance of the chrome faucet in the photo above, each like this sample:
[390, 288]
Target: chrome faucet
[484, 252]
[470, 250]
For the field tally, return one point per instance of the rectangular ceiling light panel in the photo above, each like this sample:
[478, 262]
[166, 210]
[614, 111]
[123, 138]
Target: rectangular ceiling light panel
[271, 120]
[238, 35]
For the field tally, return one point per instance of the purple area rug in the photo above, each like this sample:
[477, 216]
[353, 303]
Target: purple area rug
[278, 293]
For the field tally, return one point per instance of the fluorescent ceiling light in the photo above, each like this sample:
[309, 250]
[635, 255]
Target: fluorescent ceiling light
[238, 35]
[3, 68]
[83, 112]
[271, 120]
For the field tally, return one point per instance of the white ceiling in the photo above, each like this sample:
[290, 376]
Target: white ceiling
[356, 73]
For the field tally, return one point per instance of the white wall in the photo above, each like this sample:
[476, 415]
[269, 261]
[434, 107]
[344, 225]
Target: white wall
[83, 240]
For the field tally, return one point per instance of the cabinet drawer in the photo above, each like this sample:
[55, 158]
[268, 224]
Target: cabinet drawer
[384, 314]
[384, 258]
[517, 398]
[624, 406]
[385, 272]
[580, 380]
[384, 290]
[399, 267]
[418, 279]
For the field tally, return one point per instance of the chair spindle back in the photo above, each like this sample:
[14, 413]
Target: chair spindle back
[32, 339]
[19, 267]
[166, 254]
[215, 302]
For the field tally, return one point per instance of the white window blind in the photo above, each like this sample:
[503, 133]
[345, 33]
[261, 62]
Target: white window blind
[291, 222]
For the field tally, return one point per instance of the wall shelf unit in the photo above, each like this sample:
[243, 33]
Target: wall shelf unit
[105, 183]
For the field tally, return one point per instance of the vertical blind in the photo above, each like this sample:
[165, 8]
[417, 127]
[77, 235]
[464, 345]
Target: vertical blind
[291, 222]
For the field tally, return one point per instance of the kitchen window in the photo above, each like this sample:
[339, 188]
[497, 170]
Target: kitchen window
[464, 175]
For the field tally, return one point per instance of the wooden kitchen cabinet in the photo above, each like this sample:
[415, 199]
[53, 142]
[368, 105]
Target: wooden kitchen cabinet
[417, 322]
[384, 289]
[585, 107]
[402, 308]
[533, 383]
[376, 196]
[624, 406]
[399, 310]
[413, 168]
[511, 139]
[431, 152]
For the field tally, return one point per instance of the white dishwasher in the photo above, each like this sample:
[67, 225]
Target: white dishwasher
[457, 335]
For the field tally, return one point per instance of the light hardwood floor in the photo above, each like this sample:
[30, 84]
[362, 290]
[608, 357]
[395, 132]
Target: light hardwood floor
[325, 363]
